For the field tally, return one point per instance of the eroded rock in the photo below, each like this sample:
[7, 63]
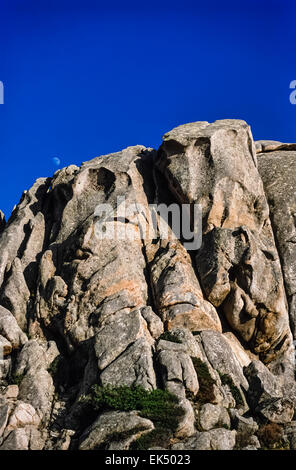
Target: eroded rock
[114, 428]
[215, 439]
[133, 368]
[95, 307]
[278, 172]
[215, 165]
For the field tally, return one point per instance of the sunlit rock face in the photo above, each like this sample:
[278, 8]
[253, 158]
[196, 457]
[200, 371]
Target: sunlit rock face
[277, 167]
[80, 307]
[215, 165]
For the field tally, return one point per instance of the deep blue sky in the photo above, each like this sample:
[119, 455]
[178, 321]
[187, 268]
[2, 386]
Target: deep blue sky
[85, 78]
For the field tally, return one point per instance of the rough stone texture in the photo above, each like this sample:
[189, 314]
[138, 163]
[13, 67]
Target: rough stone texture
[11, 391]
[278, 172]
[272, 145]
[279, 411]
[176, 366]
[213, 416]
[23, 415]
[186, 425]
[79, 308]
[23, 236]
[177, 293]
[216, 439]
[215, 165]
[5, 368]
[16, 440]
[15, 295]
[244, 357]
[221, 356]
[10, 329]
[133, 368]
[254, 442]
[129, 326]
[37, 389]
[5, 347]
[245, 430]
[114, 426]
[263, 385]
[4, 414]
[35, 356]
[242, 424]
[154, 323]
[290, 434]
[84, 280]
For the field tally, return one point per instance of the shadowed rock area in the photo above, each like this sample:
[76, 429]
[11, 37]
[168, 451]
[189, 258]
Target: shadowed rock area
[132, 340]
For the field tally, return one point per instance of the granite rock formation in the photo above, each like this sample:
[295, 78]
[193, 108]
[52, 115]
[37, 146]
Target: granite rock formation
[139, 311]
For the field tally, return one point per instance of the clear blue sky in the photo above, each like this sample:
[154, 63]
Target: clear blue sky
[85, 78]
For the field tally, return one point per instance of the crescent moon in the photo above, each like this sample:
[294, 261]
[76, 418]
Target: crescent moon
[56, 161]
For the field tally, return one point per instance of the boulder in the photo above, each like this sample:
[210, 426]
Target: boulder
[35, 356]
[215, 439]
[279, 410]
[5, 347]
[186, 424]
[37, 389]
[222, 357]
[11, 392]
[23, 415]
[129, 326]
[263, 385]
[213, 416]
[243, 425]
[114, 428]
[133, 367]
[272, 145]
[15, 295]
[16, 440]
[178, 367]
[10, 329]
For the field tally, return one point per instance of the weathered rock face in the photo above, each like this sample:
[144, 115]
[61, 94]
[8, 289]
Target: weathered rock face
[215, 165]
[2, 221]
[114, 431]
[278, 172]
[81, 305]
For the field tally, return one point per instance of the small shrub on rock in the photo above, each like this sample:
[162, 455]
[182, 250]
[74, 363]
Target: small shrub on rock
[271, 436]
[227, 380]
[160, 406]
[157, 405]
[206, 382]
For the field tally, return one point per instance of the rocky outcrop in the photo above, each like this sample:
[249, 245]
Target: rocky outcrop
[114, 431]
[101, 294]
[277, 167]
[215, 165]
